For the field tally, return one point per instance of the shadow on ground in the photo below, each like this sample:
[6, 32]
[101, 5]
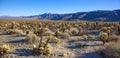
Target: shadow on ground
[82, 46]
[18, 41]
[17, 35]
[90, 55]
[89, 39]
[24, 52]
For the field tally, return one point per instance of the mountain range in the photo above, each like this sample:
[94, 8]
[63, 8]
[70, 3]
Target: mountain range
[99, 15]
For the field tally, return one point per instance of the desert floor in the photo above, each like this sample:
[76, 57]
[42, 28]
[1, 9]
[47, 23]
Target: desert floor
[74, 47]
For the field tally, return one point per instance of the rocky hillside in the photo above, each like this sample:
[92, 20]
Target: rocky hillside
[99, 15]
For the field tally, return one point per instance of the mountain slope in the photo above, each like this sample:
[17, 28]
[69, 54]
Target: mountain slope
[99, 15]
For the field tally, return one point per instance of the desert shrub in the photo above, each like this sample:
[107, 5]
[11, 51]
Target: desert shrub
[74, 31]
[81, 32]
[111, 51]
[85, 37]
[65, 36]
[14, 31]
[114, 38]
[31, 38]
[68, 31]
[48, 33]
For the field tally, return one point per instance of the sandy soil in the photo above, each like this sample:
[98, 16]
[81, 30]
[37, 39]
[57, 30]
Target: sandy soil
[74, 47]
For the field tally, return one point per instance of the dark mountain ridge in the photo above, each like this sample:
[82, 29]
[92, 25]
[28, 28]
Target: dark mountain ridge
[99, 15]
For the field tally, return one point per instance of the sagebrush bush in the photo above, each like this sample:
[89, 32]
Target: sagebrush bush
[111, 51]
[114, 38]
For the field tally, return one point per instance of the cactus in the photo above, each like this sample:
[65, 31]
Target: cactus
[85, 37]
[42, 44]
[81, 32]
[58, 33]
[104, 37]
[13, 25]
[118, 30]
[42, 50]
[47, 51]
[4, 50]
[108, 32]
[31, 38]
[55, 40]
[41, 32]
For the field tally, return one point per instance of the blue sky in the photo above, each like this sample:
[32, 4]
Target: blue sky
[35, 7]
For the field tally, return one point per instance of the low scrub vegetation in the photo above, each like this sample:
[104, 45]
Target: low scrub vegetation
[111, 51]
[45, 35]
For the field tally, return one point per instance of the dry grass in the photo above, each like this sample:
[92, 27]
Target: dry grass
[114, 38]
[112, 50]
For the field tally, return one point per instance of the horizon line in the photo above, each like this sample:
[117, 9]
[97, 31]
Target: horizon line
[56, 13]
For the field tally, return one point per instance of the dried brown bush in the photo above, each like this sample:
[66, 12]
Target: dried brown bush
[114, 38]
[111, 51]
